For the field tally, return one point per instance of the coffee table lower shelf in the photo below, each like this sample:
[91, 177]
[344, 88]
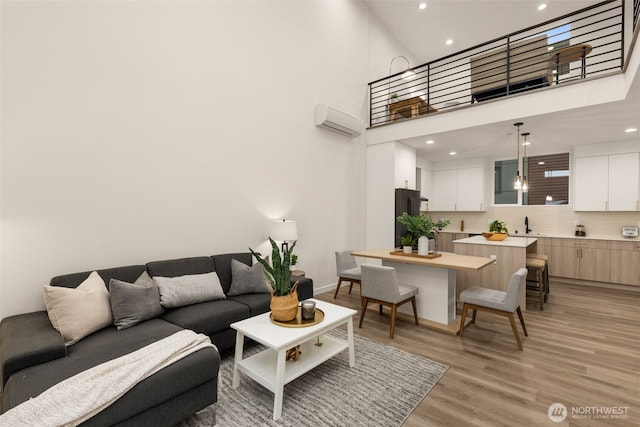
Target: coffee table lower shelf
[261, 367]
[270, 368]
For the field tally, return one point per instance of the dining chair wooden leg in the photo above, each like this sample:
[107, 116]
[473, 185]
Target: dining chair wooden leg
[393, 320]
[515, 330]
[415, 310]
[524, 328]
[473, 316]
[335, 295]
[365, 302]
[350, 285]
[463, 317]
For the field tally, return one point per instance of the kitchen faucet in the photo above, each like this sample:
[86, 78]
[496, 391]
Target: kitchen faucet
[526, 225]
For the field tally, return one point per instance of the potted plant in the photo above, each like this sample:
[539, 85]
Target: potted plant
[497, 231]
[422, 228]
[393, 98]
[284, 297]
[407, 243]
[294, 261]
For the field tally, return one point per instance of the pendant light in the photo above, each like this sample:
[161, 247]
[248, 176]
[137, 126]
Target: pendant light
[525, 184]
[517, 182]
[549, 196]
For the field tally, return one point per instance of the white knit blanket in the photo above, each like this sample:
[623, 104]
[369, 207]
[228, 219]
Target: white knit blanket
[80, 397]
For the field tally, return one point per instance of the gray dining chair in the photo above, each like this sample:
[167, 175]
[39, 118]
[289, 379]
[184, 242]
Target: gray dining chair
[347, 270]
[380, 286]
[497, 302]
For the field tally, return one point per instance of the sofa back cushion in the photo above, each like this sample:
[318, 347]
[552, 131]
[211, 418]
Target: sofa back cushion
[223, 266]
[181, 266]
[126, 274]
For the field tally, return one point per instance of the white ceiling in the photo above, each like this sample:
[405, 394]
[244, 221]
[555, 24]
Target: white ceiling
[470, 22]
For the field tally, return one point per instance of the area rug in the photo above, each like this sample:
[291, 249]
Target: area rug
[382, 390]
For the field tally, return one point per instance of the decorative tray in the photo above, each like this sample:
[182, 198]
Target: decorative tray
[415, 254]
[298, 322]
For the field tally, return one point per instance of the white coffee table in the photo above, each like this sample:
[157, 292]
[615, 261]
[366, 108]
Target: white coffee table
[270, 369]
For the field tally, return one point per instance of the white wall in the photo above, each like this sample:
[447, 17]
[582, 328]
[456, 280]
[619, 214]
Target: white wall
[137, 131]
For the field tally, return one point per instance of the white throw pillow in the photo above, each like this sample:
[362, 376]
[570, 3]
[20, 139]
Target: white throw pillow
[189, 289]
[78, 312]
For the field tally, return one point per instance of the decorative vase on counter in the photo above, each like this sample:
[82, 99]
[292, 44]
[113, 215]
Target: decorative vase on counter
[423, 245]
[407, 249]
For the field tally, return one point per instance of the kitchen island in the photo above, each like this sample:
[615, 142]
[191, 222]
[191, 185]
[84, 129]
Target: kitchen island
[510, 255]
[436, 279]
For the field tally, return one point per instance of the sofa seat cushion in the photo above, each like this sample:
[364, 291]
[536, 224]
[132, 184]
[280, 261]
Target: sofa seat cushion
[257, 303]
[107, 344]
[208, 317]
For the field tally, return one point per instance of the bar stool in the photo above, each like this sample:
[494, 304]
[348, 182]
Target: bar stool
[546, 272]
[537, 266]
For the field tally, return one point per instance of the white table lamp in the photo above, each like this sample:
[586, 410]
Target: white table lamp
[284, 231]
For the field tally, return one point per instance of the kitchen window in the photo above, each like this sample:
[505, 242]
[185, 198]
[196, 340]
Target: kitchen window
[548, 178]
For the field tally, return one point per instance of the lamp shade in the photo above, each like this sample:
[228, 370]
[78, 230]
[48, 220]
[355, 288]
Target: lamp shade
[284, 230]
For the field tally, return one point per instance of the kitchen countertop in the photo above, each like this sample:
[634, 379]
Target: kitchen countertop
[617, 238]
[515, 242]
[445, 260]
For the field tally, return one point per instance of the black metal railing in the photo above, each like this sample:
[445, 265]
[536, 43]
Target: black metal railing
[576, 46]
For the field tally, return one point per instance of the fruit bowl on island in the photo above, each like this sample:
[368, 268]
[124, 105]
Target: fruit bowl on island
[494, 236]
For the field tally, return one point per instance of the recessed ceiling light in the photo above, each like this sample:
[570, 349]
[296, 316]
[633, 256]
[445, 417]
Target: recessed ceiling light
[430, 141]
[452, 153]
[550, 48]
[449, 42]
[422, 6]
[631, 130]
[541, 163]
[542, 6]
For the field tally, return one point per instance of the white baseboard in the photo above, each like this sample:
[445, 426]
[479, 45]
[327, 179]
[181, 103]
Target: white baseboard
[331, 287]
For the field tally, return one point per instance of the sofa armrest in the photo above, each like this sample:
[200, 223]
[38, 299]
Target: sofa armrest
[305, 287]
[28, 340]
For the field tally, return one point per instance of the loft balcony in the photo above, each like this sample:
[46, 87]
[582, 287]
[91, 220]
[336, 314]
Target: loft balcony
[574, 48]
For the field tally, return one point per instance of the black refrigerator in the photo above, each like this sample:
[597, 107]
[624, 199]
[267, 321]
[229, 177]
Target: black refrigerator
[406, 201]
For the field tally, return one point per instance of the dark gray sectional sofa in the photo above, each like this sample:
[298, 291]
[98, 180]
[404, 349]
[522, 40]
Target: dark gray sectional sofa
[33, 356]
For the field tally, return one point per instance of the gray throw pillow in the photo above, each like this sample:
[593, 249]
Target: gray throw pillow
[189, 289]
[132, 303]
[247, 280]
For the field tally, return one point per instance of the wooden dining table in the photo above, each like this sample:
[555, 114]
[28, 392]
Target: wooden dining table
[436, 280]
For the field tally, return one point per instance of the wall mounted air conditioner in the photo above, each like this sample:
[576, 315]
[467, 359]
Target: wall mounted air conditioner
[333, 119]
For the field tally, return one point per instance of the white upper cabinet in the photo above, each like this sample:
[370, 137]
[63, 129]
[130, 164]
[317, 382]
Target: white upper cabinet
[607, 183]
[458, 190]
[624, 182]
[470, 189]
[444, 190]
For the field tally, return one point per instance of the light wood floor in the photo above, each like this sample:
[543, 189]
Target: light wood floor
[582, 351]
